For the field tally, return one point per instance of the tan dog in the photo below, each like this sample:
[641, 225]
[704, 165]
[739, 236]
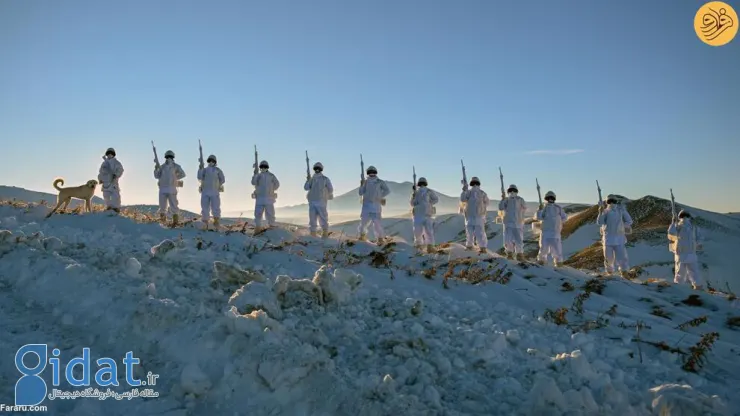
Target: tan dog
[84, 192]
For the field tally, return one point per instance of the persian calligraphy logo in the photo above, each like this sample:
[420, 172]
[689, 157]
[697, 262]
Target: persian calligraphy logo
[716, 23]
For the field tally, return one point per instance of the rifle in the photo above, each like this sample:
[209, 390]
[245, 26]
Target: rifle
[156, 158]
[256, 163]
[464, 181]
[501, 177]
[362, 170]
[414, 185]
[601, 200]
[500, 217]
[308, 171]
[200, 148]
[465, 176]
[539, 193]
[536, 225]
[672, 240]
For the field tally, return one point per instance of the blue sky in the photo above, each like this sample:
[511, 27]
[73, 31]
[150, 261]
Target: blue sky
[628, 85]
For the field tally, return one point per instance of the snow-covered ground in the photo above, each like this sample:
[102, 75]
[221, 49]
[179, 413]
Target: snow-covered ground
[243, 325]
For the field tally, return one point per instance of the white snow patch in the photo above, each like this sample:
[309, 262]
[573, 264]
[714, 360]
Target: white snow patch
[269, 330]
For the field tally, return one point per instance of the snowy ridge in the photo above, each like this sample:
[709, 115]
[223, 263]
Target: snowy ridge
[254, 325]
[153, 209]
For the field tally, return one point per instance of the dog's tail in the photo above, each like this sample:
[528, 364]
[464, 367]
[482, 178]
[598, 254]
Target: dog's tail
[58, 181]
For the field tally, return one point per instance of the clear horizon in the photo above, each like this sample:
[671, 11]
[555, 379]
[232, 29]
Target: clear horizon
[591, 91]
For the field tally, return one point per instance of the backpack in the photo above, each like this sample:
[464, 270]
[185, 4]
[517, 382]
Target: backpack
[427, 200]
[476, 197]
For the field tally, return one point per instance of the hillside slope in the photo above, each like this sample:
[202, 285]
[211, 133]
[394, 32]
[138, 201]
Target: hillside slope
[255, 325]
[647, 246]
[22, 194]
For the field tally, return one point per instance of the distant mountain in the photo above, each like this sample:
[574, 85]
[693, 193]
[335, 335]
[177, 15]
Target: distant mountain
[22, 194]
[573, 208]
[397, 203]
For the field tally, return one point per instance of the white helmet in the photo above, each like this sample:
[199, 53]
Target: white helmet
[211, 157]
[422, 181]
[550, 194]
[264, 165]
[371, 169]
[169, 153]
[513, 188]
[318, 166]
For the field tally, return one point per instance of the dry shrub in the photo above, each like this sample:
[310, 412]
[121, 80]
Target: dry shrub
[577, 306]
[698, 352]
[733, 322]
[558, 316]
[693, 300]
[471, 270]
[567, 287]
[692, 323]
[429, 273]
[658, 311]
[594, 285]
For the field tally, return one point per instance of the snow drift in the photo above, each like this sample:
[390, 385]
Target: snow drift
[283, 323]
